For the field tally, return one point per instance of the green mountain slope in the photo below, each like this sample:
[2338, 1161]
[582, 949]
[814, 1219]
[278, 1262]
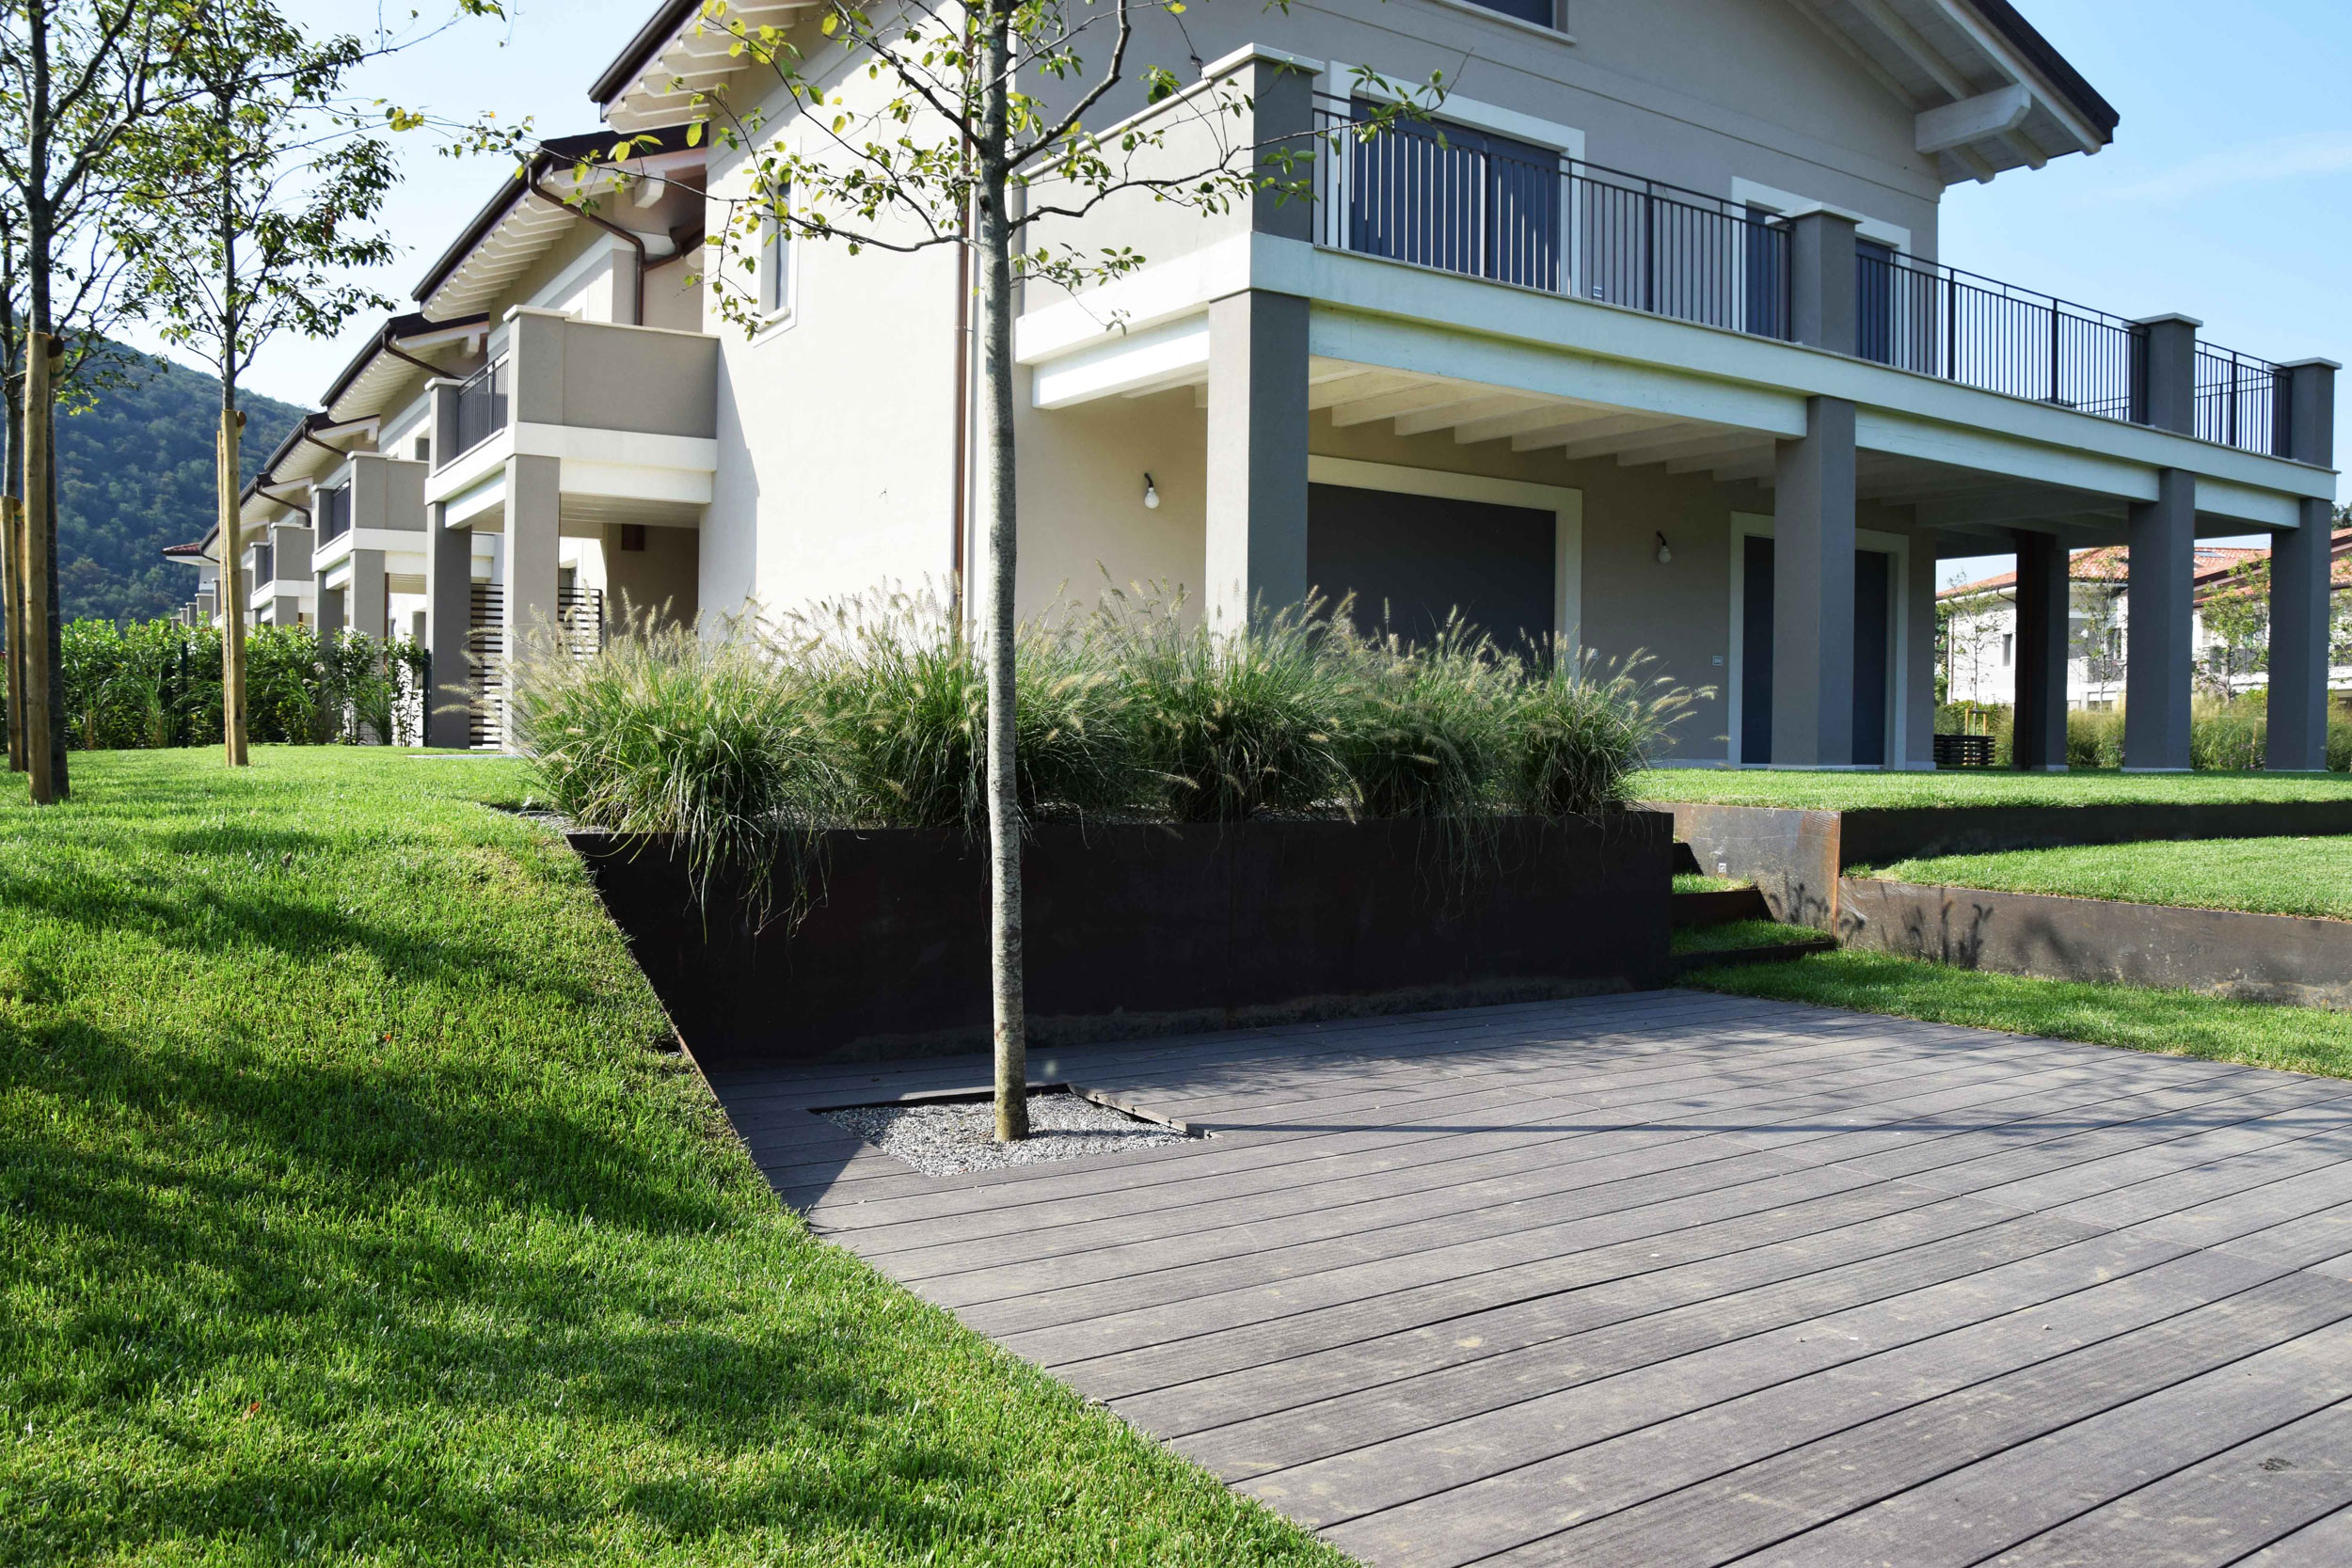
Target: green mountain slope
[135, 473]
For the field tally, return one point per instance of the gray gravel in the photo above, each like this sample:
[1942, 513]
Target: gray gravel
[951, 1139]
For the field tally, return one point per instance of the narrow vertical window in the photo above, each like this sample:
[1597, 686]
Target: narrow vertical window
[775, 268]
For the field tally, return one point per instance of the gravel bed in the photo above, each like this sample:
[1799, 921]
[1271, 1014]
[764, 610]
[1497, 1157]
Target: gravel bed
[952, 1138]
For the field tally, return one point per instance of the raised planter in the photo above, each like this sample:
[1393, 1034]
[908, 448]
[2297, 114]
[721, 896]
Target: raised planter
[1140, 928]
[2255, 957]
[1797, 857]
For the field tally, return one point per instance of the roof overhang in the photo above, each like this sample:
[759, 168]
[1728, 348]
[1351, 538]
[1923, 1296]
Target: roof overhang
[1989, 91]
[529, 213]
[677, 58]
[391, 359]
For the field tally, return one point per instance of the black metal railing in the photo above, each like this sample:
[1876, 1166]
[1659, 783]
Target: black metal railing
[1468, 201]
[481, 407]
[334, 512]
[2241, 400]
[1944, 322]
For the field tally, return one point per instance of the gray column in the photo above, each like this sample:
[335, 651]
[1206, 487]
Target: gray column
[330, 613]
[530, 603]
[1917, 748]
[2045, 602]
[1822, 286]
[2301, 581]
[2169, 367]
[448, 615]
[1813, 607]
[1256, 547]
[367, 601]
[2160, 615]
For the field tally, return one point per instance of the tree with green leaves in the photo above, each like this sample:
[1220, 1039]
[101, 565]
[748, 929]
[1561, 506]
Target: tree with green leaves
[77, 77]
[921, 127]
[274, 176]
[2237, 615]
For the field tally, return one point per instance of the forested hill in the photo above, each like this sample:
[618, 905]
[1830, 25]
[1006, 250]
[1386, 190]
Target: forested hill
[135, 473]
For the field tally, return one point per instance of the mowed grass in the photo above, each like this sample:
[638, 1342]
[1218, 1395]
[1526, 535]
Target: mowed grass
[1736, 935]
[2179, 1023]
[1813, 791]
[352, 1206]
[2266, 875]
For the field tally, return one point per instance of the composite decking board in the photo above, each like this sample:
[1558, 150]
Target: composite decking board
[1588, 1158]
[1652, 1351]
[2018, 1493]
[2325, 1543]
[1364, 1366]
[1762, 1504]
[1013, 1298]
[1554, 1508]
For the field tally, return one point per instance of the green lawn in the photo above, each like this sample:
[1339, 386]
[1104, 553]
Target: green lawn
[1727, 786]
[352, 1207]
[1694, 881]
[2180, 1023]
[2268, 876]
[1736, 934]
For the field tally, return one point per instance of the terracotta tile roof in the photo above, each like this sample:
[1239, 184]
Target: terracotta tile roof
[2112, 563]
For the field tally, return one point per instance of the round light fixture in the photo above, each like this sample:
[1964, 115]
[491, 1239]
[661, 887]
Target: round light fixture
[1150, 494]
[1665, 551]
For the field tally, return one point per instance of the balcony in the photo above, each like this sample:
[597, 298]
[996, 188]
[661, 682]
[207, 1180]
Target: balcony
[1464, 201]
[334, 512]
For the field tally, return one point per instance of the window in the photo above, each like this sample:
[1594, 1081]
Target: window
[2008, 647]
[424, 449]
[1543, 13]
[1444, 196]
[775, 268]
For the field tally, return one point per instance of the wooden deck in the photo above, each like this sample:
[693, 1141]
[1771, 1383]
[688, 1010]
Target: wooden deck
[1672, 1279]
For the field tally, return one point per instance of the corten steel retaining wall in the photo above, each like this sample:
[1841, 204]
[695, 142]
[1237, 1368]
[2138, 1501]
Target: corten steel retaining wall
[1138, 928]
[1797, 857]
[2255, 957]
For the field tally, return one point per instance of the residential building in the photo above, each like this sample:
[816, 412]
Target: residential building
[1644, 341]
[1981, 635]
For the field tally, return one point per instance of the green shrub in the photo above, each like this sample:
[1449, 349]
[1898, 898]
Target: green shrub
[1420, 731]
[1579, 728]
[2226, 741]
[1228, 726]
[2094, 739]
[2340, 744]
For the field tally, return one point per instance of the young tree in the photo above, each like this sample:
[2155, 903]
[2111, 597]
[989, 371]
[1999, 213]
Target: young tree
[280, 174]
[2097, 636]
[920, 134]
[76, 76]
[2237, 615]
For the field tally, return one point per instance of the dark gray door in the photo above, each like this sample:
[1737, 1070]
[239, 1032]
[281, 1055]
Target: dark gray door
[1411, 560]
[1873, 644]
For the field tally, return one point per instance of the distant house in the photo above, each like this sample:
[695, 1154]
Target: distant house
[1980, 653]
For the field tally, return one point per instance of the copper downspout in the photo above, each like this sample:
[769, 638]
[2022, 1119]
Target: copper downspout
[282, 500]
[637, 317]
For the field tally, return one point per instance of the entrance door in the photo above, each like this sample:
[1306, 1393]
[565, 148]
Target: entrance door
[1873, 648]
[1410, 560]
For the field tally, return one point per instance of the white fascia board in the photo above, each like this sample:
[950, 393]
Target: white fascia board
[1165, 356]
[468, 469]
[1181, 286]
[488, 494]
[616, 448]
[1907, 435]
[634, 481]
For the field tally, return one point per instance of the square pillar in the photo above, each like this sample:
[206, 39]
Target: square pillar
[2161, 612]
[1256, 546]
[1824, 284]
[330, 613]
[2301, 581]
[2044, 607]
[2167, 349]
[1813, 590]
[368, 601]
[448, 615]
[531, 604]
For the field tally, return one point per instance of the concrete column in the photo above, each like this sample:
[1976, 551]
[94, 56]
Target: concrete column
[330, 613]
[2160, 611]
[448, 613]
[2044, 611]
[1256, 554]
[367, 602]
[2171, 365]
[1822, 286]
[530, 604]
[2301, 581]
[1918, 739]
[1813, 605]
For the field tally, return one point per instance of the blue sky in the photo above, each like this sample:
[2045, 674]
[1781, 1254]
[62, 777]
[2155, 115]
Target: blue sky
[2226, 195]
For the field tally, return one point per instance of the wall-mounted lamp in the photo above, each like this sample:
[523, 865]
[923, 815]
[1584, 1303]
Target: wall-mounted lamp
[1665, 551]
[1150, 494]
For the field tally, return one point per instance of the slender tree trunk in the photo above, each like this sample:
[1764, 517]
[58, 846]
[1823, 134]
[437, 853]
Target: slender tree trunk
[40, 725]
[12, 508]
[997, 514]
[228, 455]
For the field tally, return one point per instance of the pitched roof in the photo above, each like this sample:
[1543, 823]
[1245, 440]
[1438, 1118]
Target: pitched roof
[2112, 563]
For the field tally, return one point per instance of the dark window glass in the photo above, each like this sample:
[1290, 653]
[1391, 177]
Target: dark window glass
[1537, 11]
